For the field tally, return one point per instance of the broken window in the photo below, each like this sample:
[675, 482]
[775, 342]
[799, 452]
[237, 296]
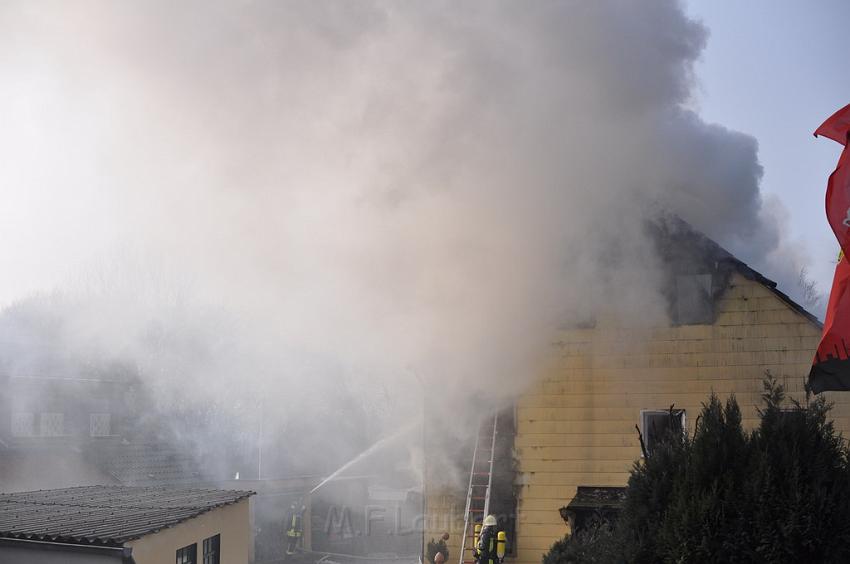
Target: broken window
[23, 424]
[693, 299]
[100, 424]
[503, 500]
[52, 424]
[656, 424]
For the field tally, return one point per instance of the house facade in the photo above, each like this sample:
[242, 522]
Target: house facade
[575, 425]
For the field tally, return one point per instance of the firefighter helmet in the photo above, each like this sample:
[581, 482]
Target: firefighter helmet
[490, 521]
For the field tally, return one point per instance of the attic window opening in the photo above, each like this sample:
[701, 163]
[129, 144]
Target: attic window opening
[656, 424]
[693, 299]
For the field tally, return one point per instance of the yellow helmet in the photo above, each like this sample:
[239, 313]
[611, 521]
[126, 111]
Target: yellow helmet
[490, 521]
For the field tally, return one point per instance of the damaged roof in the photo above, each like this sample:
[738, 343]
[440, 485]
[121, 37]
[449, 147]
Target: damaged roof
[679, 242]
[104, 515]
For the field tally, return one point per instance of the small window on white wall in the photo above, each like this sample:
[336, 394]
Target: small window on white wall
[52, 424]
[100, 424]
[23, 424]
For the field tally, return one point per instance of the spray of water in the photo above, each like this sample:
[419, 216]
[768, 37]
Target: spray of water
[384, 442]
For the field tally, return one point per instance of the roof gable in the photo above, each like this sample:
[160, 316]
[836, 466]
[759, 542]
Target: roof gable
[682, 247]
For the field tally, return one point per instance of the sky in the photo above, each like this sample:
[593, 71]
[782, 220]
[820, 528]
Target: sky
[776, 70]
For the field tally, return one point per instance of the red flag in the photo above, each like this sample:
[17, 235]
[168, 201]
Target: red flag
[831, 365]
[836, 126]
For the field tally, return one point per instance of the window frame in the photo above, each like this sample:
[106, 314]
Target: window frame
[190, 551]
[48, 420]
[666, 412]
[93, 424]
[212, 549]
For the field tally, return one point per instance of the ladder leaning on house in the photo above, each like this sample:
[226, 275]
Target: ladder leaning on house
[480, 485]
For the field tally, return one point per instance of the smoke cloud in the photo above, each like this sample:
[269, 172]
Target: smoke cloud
[315, 213]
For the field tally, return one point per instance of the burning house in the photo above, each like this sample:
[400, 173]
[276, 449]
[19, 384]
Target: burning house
[306, 223]
[574, 429]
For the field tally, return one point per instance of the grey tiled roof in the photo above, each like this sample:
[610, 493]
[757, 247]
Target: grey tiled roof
[104, 515]
[148, 464]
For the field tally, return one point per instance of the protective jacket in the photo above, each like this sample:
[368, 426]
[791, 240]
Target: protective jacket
[293, 531]
[294, 522]
[486, 549]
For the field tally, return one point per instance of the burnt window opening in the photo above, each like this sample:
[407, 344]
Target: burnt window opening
[694, 304]
[503, 499]
[656, 425]
[211, 550]
[187, 554]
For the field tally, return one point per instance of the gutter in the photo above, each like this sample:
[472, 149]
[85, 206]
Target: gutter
[125, 553]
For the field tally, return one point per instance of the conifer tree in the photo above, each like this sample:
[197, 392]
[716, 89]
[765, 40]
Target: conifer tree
[780, 493]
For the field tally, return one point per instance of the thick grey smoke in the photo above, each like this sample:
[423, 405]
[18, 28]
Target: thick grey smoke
[304, 198]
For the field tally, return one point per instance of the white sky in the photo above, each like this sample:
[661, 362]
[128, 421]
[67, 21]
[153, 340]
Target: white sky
[776, 70]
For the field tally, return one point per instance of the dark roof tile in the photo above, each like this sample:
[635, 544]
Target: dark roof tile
[148, 464]
[105, 515]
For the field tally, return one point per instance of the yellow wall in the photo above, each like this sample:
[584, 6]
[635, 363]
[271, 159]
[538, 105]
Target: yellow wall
[444, 513]
[576, 423]
[232, 522]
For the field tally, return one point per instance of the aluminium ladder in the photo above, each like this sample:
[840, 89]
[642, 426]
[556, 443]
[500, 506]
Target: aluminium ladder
[480, 484]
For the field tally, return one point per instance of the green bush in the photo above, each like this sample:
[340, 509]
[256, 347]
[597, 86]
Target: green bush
[596, 544]
[780, 493]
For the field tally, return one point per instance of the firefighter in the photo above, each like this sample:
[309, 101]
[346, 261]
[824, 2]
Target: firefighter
[490, 546]
[293, 532]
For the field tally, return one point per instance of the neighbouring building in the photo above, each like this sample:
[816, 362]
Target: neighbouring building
[128, 525]
[574, 426]
[63, 426]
